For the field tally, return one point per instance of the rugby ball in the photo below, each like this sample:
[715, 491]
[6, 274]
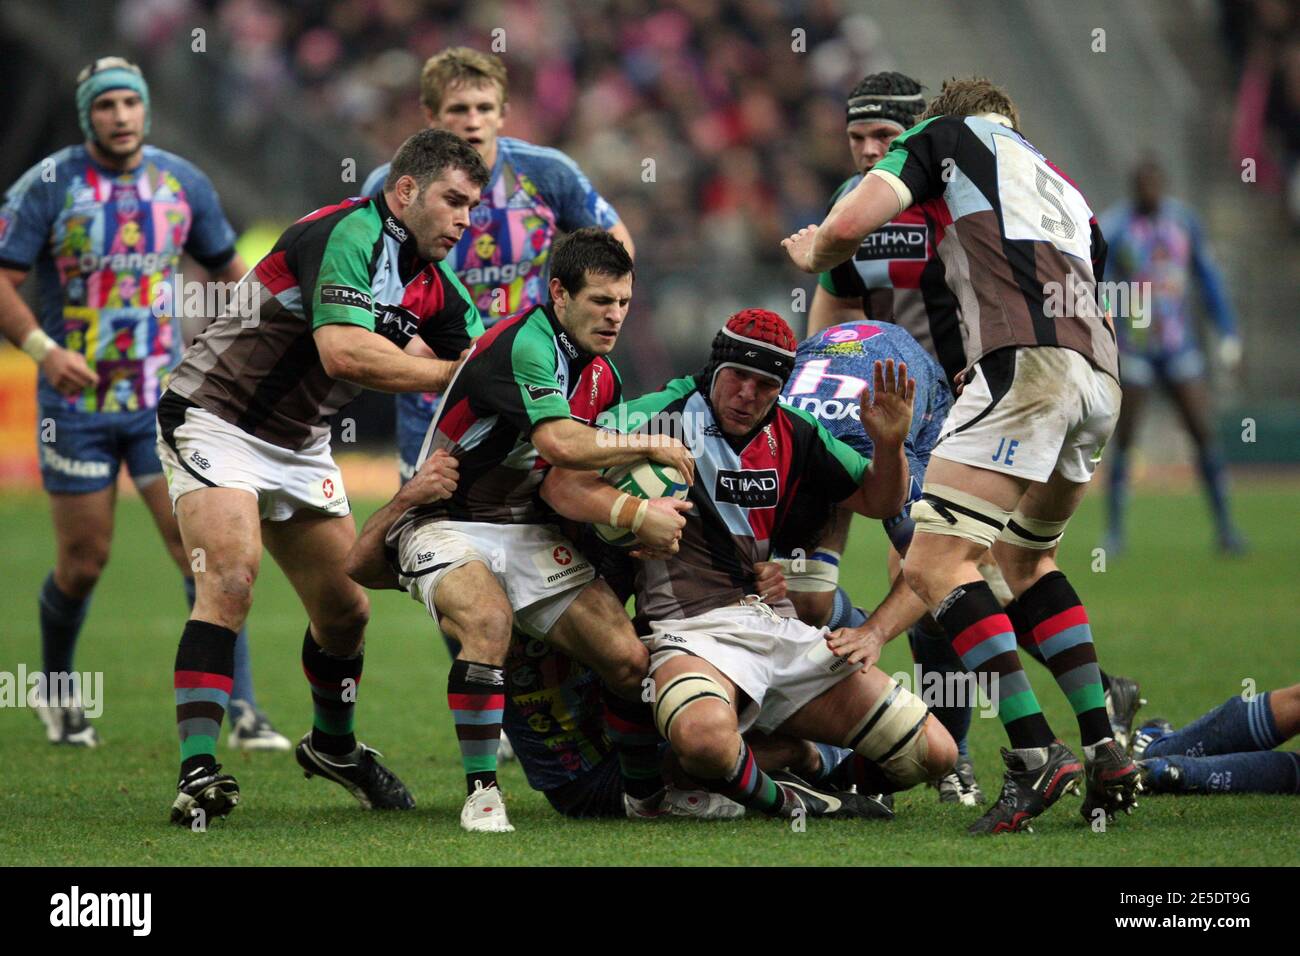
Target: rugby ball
[641, 479]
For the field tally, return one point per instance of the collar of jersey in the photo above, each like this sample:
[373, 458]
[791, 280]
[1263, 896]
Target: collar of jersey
[577, 355]
[409, 261]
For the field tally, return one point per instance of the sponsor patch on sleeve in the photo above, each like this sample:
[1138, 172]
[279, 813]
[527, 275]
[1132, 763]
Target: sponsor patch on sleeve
[537, 392]
[342, 295]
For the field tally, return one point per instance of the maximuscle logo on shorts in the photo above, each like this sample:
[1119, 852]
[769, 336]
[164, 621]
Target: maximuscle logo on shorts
[60, 689]
[954, 689]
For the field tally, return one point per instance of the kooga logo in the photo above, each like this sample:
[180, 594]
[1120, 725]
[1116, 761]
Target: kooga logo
[749, 489]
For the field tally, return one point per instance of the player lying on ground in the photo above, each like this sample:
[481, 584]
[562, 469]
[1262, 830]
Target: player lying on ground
[1020, 444]
[723, 661]
[554, 705]
[1228, 750]
[490, 557]
[243, 431]
[104, 225]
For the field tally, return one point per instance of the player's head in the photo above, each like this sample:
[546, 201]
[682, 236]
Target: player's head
[749, 364]
[972, 96]
[591, 287]
[464, 90]
[1148, 184]
[879, 108]
[435, 180]
[113, 106]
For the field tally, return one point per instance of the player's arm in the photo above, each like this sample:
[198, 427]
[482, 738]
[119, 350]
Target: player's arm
[900, 609]
[367, 563]
[828, 309]
[232, 271]
[1214, 292]
[66, 370]
[619, 232]
[569, 444]
[886, 413]
[352, 353]
[586, 497]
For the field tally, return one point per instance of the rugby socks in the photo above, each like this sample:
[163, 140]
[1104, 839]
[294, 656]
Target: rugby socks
[1059, 626]
[834, 766]
[935, 655]
[334, 684]
[983, 637]
[1025, 638]
[1116, 494]
[205, 663]
[843, 613]
[61, 620]
[1273, 771]
[243, 689]
[631, 728]
[750, 786]
[1235, 726]
[476, 694]
[1216, 487]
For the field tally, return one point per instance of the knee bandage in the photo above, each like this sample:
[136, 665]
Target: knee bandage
[892, 735]
[1031, 533]
[816, 573]
[944, 510]
[681, 692]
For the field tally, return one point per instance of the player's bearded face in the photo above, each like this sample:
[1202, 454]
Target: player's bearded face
[596, 314]
[439, 214]
[741, 399]
[117, 117]
[868, 142]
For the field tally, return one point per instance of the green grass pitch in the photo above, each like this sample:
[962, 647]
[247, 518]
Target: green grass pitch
[1191, 627]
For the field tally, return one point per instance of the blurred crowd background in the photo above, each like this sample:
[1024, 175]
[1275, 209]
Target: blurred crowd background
[287, 104]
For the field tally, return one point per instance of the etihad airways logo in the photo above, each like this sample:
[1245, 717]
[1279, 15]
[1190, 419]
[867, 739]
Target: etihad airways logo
[748, 489]
[894, 241]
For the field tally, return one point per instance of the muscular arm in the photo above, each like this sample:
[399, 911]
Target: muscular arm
[828, 310]
[366, 563]
[619, 232]
[586, 497]
[884, 485]
[569, 444]
[354, 354]
[66, 371]
[860, 212]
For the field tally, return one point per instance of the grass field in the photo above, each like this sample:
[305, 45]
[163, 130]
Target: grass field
[1189, 626]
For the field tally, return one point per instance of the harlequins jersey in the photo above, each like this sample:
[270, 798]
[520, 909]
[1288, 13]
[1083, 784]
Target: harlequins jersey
[351, 264]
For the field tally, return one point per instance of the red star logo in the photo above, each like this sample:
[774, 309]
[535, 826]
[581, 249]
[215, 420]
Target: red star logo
[562, 556]
[327, 486]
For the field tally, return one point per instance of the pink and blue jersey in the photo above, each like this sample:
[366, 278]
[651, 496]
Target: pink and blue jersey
[1167, 250]
[105, 247]
[503, 259]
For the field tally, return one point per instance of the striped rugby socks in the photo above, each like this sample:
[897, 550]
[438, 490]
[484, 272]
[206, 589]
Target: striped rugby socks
[631, 728]
[205, 666]
[334, 683]
[984, 639]
[1059, 626]
[477, 698]
[750, 786]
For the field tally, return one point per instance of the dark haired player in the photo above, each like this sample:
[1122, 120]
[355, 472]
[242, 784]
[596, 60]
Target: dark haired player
[243, 432]
[723, 660]
[1022, 440]
[490, 558]
[104, 224]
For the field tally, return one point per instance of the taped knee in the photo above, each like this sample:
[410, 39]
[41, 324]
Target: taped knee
[892, 735]
[817, 573]
[680, 693]
[1032, 533]
[944, 510]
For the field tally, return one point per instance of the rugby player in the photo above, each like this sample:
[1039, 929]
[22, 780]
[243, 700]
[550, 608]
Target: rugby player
[243, 431]
[1020, 444]
[490, 558]
[1228, 750]
[723, 660]
[104, 224]
[1159, 242]
[533, 195]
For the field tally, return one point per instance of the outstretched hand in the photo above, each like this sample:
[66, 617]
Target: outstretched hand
[885, 410]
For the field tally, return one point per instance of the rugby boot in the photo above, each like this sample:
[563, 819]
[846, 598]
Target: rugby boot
[374, 785]
[1111, 780]
[1027, 793]
[1123, 699]
[204, 794]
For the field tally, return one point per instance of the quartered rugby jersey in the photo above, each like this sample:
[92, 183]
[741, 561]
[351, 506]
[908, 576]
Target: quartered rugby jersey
[353, 264]
[105, 246]
[900, 278]
[1021, 249]
[504, 257]
[524, 371]
[743, 490]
